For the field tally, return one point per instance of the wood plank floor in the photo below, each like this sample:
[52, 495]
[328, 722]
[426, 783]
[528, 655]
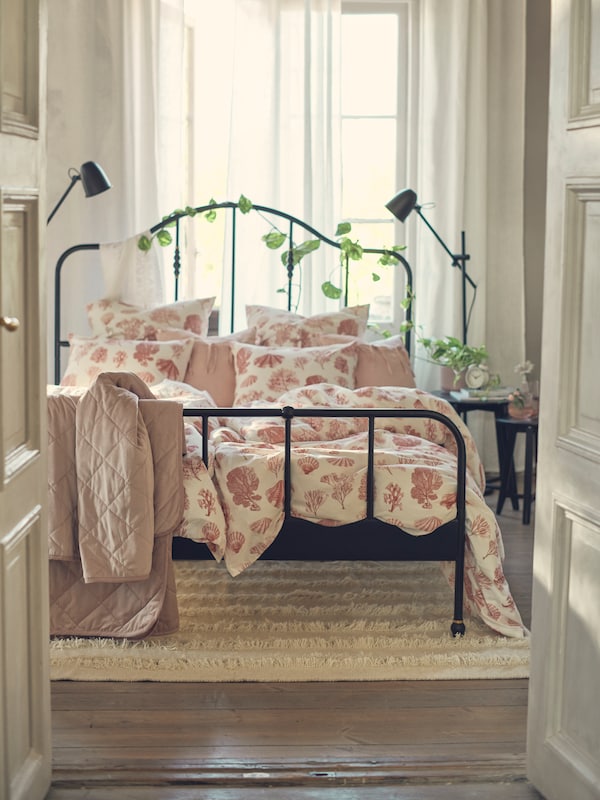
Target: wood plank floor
[409, 740]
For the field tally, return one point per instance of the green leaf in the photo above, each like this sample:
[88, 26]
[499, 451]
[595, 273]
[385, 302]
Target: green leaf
[342, 228]
[190, 211]
[164, 238]
[331, 291]
[297, 253]
[172, 214]
[390, 257]
[375, 277]
[211, 215]
[144, 243]
[244, 204]
[283, 290]
[351, 249]
[274, 239]
[307, 247]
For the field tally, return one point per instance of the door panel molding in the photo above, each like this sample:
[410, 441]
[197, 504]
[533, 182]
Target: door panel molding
[584, 71]
[19, 73]
[19, 298]
[579, 425]
[574, 593]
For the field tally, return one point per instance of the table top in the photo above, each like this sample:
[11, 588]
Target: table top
[526, 422]
[498, 406]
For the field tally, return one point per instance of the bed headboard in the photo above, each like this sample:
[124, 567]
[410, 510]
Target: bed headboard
[294, 226]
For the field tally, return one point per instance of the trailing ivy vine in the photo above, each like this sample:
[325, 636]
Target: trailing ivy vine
[294, 253]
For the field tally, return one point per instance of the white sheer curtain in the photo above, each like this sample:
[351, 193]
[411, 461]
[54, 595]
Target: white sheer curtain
[272, 130]
[115, 96]
[470, 168]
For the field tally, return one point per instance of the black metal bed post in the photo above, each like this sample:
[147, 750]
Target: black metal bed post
[371, 468]
[177, 260]
[58, 342]
[233, 253]
[346, 278]
[290, 265]
[287, 412]
[408, 311]
[458, 625]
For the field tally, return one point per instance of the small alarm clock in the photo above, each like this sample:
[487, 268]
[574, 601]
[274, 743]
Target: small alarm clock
[477, 376]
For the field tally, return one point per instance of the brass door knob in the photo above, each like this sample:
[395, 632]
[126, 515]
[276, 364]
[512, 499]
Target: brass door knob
[10, 323]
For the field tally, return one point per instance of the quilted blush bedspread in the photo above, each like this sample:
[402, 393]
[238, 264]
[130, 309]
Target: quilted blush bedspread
[115, 498]
[238, 513]
[234, 504]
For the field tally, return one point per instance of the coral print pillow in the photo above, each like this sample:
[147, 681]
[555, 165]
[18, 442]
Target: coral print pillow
[151, 361]
[117, 319]
[262, 374]
[279, 328]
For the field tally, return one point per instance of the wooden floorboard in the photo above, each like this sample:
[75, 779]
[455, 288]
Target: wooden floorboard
[339, 741]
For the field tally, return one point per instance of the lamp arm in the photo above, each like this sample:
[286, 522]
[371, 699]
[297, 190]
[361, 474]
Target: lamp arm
[457, 260]
[74, 178]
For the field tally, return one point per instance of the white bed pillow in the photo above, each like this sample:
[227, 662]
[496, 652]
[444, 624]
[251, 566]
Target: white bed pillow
[122, 320]
[263, 373]
[279, 328]
[151, 361]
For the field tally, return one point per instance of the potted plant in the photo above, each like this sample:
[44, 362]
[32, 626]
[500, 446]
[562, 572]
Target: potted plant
[457, 358]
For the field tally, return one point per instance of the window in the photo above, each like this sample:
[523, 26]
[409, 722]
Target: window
[378, 106]
[378, 57]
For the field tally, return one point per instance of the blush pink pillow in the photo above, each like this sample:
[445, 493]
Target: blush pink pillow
[210, 367]
[381, 363]
[263, 373]
[278, 328]
[153, 362]
[122, 320]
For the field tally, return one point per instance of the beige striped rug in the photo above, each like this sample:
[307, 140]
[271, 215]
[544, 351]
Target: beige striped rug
[303, 621]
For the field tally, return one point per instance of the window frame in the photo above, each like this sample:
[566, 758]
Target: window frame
[406, 134]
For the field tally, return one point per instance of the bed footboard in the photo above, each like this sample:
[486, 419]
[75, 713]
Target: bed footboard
[365, 539]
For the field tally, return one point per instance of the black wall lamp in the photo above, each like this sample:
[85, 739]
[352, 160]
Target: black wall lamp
[93, 179]
[401, 205]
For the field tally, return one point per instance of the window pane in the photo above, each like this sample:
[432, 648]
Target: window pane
[369, 63]
[374, 283]
[368, 166]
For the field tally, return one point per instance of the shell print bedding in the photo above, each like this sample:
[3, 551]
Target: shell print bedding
[235, 505]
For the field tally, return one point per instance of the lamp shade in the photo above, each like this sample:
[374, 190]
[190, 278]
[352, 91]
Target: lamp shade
[93, 179]
[402, 204]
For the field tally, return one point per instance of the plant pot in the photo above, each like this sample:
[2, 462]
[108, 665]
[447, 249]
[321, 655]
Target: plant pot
[521, 412]
[448, 382]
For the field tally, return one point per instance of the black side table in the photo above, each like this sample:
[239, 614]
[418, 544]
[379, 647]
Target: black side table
[500, 410]
[507, 429]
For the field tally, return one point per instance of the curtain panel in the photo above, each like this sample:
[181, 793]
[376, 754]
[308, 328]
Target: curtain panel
[267, 125]
[470, 145]
[115, 96]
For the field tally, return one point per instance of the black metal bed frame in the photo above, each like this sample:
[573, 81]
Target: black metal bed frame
[368, 539]
[298, 539]
[174, 220]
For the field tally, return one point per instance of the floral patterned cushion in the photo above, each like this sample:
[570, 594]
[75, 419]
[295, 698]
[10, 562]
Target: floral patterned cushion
[262, 374]
[151, 361]
[275, 327]
[124, 321]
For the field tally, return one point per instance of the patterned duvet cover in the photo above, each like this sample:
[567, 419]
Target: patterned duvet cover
[235, 503]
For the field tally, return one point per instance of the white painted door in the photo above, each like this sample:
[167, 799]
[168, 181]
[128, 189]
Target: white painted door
[24, 684]
[564, 704]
